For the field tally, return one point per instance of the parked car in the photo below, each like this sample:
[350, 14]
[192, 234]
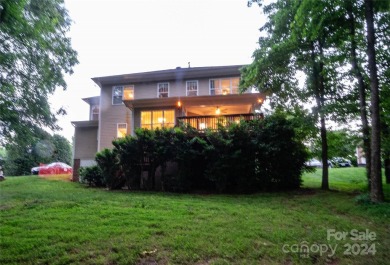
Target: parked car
[313, 163]
[52, 169]
[341, 162]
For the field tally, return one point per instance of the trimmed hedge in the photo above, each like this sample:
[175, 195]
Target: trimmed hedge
[258, 155]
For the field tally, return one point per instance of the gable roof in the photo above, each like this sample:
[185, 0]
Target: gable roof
[177, 74]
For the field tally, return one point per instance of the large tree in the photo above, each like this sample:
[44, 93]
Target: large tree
[326, 40]
[300, 36]
[376, 171]
[35, 54]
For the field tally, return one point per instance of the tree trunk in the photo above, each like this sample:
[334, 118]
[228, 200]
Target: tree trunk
[319, 89]
[362, 87]
[376, 174]
[387, 168]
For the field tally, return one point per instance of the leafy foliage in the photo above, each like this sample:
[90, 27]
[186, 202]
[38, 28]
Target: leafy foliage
[35, 53]
[341, 143]
[22, 155]
[107, 161]
[245, 157]
[93, 176]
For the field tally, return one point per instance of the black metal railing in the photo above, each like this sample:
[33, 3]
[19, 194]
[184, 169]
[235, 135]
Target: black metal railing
[211, 122]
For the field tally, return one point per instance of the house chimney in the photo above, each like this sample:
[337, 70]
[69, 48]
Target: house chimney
[189, 64]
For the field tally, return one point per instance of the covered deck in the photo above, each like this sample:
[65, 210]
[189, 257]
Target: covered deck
[211, 122]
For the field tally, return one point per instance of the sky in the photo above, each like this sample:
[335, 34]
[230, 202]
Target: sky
[128, 36]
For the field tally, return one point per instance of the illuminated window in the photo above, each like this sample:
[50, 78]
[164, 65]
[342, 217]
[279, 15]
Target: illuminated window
[128, 93]
[192, 88]
[157, 119]
[121, 130]
[224, 86]
[162, 90]
[120, 93]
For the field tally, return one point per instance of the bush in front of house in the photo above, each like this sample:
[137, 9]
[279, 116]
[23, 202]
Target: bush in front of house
[248, 156]
[93, 176]
[256, 155]
[107, 160]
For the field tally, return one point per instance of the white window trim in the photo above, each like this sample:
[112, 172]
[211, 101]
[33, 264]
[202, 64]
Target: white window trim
[117, 128]
[197, 86]
[215, 79]
[220, 84]
[112, 95]
[158, 92]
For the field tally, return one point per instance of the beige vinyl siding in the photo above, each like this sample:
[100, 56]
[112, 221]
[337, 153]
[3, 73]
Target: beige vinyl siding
[203, 87]
[176, 88]
[110, 116]
[149, 90]
[85, 139]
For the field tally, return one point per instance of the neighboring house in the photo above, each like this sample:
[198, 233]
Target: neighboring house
[199, 96]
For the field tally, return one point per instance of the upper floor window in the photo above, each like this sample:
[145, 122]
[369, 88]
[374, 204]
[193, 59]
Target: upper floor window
[162, 90]
[120, 93]
[117, 94]
[128, 92]
[192, 88]
[95, 112]
[121, 130]
[224, 86]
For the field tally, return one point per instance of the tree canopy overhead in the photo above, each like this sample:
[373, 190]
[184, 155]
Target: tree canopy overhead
[35, 54]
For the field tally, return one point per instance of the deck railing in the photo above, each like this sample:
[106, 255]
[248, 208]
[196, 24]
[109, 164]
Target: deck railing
[211, 122]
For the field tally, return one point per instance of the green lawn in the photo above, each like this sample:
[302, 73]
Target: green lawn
[58, 222]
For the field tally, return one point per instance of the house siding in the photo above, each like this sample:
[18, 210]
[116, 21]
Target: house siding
[110, 116]
[85, 140]
[177, 88]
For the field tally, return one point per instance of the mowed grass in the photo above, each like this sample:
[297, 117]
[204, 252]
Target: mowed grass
[59, 222]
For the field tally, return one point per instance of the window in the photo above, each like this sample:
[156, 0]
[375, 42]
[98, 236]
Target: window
[120, 93]
[117, 93]
[157, 119]
[95, 113]
[224, 86]
[162, 90]
[192, 88]
[121, 130]
[128, 93]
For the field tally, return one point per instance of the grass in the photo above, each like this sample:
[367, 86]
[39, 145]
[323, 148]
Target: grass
[58, 222]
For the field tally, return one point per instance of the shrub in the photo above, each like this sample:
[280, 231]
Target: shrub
[281, 157]
[107, 161]
[93, 176]
[249, 156]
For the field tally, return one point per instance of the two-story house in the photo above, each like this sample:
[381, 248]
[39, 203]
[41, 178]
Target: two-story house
[199, 96]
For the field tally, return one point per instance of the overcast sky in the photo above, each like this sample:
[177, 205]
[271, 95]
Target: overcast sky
[128, 36]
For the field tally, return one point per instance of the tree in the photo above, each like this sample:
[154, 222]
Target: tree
[62, 149]
[376, 173]
[325, 39]
[35, 54]
[300, 37]
[44, 148]
[359, 73]
[341, 143]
